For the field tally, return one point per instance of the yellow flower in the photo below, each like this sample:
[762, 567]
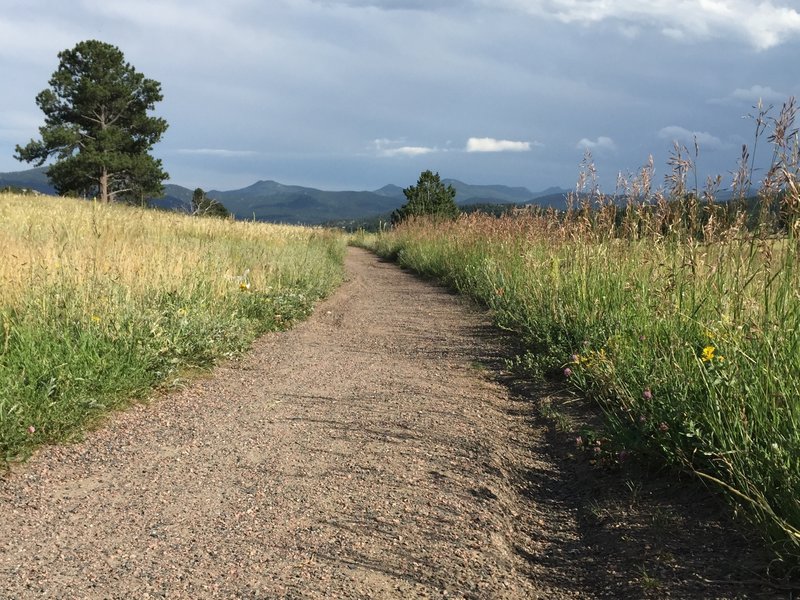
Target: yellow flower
[95, 319]
[708, 354]
[244, 286]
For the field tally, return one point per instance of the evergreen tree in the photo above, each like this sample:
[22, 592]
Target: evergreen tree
[429, 197]
[97, 127]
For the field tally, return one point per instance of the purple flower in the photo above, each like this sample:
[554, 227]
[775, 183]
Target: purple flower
[574, 358]
[31, 429]
[647, 394]
[567, 372]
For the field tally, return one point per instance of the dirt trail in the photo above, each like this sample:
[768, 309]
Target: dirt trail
[368, 453]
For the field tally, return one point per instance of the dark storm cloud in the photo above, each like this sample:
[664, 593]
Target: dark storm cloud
[359, 93]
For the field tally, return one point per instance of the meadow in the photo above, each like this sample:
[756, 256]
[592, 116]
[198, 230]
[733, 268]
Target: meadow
[100, 303]
[678, 315]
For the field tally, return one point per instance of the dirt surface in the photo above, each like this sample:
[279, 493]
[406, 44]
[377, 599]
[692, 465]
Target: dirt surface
[371, 452]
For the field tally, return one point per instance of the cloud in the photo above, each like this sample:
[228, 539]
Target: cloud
[759, 92]
[387, 147]
[220, 152]
[391, 148]
[408, 151]
[687, 137]
[419, 5]
[601, 143]
[764, 24]
[750, 96]
[492, 145]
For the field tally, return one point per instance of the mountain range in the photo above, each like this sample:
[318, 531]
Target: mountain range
[275, 202]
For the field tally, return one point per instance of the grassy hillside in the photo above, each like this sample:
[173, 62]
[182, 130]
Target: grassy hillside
[100, 303]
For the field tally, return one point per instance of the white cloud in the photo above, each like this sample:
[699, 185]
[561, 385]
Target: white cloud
[391, 148]
[220, 152]
[763, 24]
[408, 151]
[206, 18]
[687, 137]
[759, 92]
[750, 97]
[492, 145]
[601, 143]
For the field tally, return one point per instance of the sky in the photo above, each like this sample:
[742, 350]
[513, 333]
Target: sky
[357, 94]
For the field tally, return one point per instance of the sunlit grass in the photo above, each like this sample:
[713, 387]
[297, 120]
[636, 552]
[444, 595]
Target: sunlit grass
[99, 303]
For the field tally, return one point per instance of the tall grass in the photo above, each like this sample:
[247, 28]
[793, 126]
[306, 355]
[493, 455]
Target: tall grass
[100, 303]
[679, 315]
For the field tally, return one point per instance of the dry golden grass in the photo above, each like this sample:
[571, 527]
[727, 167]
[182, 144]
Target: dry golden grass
[47, 241]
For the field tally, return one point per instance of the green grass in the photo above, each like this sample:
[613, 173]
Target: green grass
[101, 303]
[689, 343]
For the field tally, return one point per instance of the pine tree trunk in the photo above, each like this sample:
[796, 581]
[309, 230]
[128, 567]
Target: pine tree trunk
[104, 197]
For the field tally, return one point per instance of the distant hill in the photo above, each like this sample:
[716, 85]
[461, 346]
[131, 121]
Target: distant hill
[276, 202]
[30, 179]
[476, 194]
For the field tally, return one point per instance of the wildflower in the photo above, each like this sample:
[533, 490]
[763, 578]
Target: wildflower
[574, 358]
[579, 441]
[181, 312]
[244, 286]
[567, 372]
[647, 394]
[642, 419]
[31, 429]
[95, 319]
[663, 427]
[708, 354]
[597, 449]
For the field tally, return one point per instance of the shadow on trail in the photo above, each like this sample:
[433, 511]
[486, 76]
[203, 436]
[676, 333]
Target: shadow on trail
[641, 531]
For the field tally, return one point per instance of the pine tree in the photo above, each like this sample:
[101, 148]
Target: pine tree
[429, 197]
[97, 127]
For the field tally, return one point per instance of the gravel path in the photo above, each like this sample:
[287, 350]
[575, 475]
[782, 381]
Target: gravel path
[368, 453]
